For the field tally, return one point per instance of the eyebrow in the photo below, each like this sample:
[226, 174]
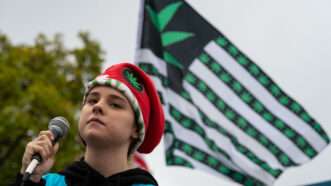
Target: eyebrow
[113, 96]
[93, 94]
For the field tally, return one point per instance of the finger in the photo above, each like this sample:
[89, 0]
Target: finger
[48, 133]
[41, 137]
[47, 148]
[41, 151]
[50, 148]
[29, 151]
[37, 149]
[27, 156]
[46, 143]
[55, 148]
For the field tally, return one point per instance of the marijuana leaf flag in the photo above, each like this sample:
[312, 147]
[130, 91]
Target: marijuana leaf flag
[224, 115]
[325, 183]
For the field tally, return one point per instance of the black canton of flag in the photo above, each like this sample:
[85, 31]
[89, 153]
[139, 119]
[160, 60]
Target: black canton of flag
[224, 115]
[184, 51]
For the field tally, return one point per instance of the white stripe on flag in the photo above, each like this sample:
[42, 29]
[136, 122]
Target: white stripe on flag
[200, 166]
[251, 144]
[245, 164]
[243, 138]
[146, 55]
[185, 108]
[188, 137]
[261, 94]
[222, 141]
[238, 105]
[239, 159]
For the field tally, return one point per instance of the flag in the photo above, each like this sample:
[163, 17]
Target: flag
[325, 183]
[224, 114]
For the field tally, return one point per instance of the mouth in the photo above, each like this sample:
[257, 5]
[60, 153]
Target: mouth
[95, 120]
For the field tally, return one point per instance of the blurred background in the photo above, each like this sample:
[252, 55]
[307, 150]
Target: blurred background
[49, 49]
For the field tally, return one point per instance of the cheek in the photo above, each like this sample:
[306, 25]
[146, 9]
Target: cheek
[129, 119]
[124, 120]
[80, 123]
[130, 123]
[82, 117]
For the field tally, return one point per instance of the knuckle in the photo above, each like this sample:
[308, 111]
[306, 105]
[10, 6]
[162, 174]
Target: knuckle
[43, 132]
[47, 132]
[42, 137]
[30, 145]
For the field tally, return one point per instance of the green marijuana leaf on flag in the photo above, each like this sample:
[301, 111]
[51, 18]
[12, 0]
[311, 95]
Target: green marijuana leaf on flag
[224, 115]
[160, 21]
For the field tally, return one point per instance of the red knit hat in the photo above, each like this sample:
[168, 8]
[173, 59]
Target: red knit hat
[139, 89]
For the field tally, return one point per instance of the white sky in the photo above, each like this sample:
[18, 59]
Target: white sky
[290, 40]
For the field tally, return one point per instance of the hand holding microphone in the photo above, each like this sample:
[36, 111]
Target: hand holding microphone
[39, 154]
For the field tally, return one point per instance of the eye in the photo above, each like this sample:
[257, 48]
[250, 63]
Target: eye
[91, 101]
[115, 105]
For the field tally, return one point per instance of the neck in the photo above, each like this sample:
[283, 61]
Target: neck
[107, 161]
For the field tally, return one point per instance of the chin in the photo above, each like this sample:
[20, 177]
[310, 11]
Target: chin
[92, 139]
[93, 133]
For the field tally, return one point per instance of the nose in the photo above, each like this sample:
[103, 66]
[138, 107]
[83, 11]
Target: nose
[98, 108]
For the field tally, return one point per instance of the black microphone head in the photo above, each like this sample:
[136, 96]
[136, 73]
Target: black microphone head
[59, 126]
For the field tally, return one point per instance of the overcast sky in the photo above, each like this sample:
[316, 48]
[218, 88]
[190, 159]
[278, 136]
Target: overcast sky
[290, 40]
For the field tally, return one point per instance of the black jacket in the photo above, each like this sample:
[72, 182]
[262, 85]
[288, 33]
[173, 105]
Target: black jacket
[81, 174]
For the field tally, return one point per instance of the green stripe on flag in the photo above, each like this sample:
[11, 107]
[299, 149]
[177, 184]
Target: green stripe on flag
[215, 164]
[256, 105]
[208, 122]
[177, 160]
[181, 118]
[151, 70]
[237, 119]
[191, 125]
[269, 84]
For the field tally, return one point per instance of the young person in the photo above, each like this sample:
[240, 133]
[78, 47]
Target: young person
[121, 113]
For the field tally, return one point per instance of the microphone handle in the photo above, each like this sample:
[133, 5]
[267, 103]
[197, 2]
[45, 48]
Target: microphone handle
[36, 160]
[37, 157]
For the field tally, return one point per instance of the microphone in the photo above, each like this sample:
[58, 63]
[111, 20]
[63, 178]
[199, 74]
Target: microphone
[59, 127]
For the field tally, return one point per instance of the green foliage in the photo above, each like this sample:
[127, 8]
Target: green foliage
[37, 83]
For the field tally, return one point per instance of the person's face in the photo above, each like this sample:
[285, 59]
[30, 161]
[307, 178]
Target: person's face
[107, 118]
